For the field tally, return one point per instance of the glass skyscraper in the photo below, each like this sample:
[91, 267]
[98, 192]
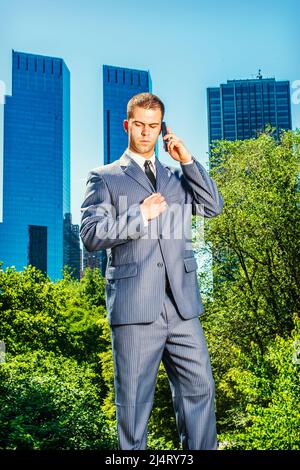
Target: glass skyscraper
[36, 168]
[119, 85]
[238, 109]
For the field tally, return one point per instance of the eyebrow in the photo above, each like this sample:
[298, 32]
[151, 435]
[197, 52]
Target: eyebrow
[151, 123]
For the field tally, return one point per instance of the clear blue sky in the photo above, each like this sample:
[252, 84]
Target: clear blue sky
[187, 46]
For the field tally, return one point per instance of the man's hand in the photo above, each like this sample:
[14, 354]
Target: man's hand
[153, 206]
[176, 148]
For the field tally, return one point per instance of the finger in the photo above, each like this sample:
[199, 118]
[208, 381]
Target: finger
[173, 139]
[161, 203]
[167, 136]
[171, 146]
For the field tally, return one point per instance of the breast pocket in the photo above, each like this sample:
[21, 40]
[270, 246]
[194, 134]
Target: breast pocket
[174, 198]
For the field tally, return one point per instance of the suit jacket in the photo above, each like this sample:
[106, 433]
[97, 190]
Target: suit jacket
[139, 256]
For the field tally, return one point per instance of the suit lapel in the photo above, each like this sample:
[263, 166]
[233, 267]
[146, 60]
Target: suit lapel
[163, 176]
[132, 169]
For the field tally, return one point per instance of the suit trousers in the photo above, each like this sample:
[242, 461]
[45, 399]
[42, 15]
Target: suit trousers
[137, 353]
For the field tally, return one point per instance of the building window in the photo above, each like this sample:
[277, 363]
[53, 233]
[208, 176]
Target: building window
[37, 249]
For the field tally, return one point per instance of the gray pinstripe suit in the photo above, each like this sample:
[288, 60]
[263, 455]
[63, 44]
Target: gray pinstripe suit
[151, 321]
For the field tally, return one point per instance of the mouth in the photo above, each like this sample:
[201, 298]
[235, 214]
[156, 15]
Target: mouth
[145, 141]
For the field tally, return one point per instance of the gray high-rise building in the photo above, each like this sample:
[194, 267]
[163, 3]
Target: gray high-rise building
[72, 253]
[90, 259]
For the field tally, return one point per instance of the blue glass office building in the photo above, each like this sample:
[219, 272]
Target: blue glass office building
[36, 169]
[239, 108]
[119, 85]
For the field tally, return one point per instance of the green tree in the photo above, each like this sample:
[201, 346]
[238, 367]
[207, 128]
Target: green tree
[256, 259]
[64, 319]
[50, 402]
[266, 396]
[64, 316]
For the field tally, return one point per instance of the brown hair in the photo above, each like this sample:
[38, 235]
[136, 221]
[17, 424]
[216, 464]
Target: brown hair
[146, 101]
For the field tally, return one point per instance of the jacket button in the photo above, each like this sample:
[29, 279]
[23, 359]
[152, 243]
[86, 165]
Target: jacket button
[160, 265]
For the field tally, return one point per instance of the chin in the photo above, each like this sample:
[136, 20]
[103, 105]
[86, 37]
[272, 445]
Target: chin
[145, 149]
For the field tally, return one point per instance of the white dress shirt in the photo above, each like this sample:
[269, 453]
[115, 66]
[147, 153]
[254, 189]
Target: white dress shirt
[141, 161]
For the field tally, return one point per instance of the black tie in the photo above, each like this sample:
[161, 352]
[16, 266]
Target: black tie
[149, 173]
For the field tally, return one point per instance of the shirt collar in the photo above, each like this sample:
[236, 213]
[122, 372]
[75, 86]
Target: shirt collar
[139, 159]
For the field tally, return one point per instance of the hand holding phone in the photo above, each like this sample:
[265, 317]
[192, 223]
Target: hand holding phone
[163, 133]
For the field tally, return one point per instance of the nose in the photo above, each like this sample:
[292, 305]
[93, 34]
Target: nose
[145, 130]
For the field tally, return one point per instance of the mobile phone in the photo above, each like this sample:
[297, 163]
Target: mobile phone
[163, 133]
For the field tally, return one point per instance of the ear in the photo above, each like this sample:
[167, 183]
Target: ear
[125, 125]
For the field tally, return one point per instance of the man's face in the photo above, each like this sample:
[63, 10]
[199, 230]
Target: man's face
[143, 130]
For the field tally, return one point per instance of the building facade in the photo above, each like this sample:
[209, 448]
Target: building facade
[240, 109]
[119, 85]
[72, 252]
[36, 164]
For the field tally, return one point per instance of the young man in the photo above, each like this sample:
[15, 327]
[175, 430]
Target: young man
[152, 294]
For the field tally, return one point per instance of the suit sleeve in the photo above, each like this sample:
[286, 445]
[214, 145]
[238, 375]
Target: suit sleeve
[100, 228]
[207, 200]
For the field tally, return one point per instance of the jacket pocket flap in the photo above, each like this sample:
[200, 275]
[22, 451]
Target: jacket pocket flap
[190, 264]
[123, 270]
